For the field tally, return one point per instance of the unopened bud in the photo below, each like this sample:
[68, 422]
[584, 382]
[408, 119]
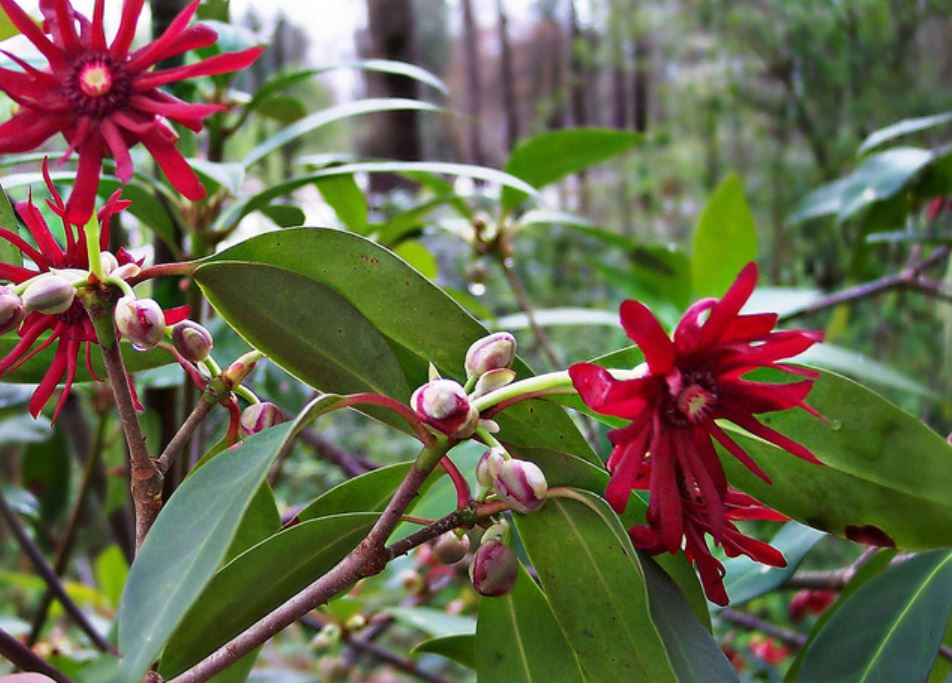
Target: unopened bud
[260, 416]
[443, 404]
[326, 638]
[483, 476]
[126, 271]
[492, 380]
[520, 484]
[49, 294]
[490, 353]
[356, 622]
[192, 340]
[141, 321]
[497, 532]
[411, 580]
[494, 569]
[11, 309]
[449, 548]
[235, 373]
[109, 262]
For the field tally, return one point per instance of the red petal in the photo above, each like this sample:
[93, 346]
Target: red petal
[64, 25]
[190, 115]
[40, 231]
[82, 198]
[48, 384]
[753, 426]
[763, 397]
[737, 451]
[726, 310]
[173, 164]
[688, 332]
[664, 508]
[120, 151]
[28, 130]
[645, 330]
[750, 327]
[28, 336]
[609, 396]
[15, 274]
[98, 37]
[155, 51]
[219, 64]
[32, 32]
[131, 9]
[72, 350]
[58, 330]
[24, 247]
[176, 315]
[192, 38]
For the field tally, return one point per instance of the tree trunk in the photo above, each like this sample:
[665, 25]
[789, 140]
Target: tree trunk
[473, 87]
[509, 104]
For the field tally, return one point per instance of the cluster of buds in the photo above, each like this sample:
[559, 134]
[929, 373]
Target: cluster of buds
[494, 569]
[520, 484]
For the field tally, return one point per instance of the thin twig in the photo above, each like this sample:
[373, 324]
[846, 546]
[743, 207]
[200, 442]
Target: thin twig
[49, 576]
[349, 463]
[525, 303]
[180, 268]
[185, 432]
[24, 658]
[65, 549]
[748, 621]
[945, 652]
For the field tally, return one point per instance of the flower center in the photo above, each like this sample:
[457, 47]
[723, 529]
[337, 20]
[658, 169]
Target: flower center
[98, 85]
[695, 401]
[692, 400]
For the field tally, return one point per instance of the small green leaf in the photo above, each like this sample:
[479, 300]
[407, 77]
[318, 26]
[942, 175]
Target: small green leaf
[365, 493]
[434, 622]
[283, 108]
[903, 128]
[518, 639]
[278, 567]
[111, 570]
[284, 215]
[347, 200]
[186, 544]
[553, 155]
[595, 584]
[725, 239]
[747, 579]
[460, 648]
[890, 629]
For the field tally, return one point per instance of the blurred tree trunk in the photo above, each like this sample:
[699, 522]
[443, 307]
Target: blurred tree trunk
[640, 83]
[556, 117]
[473, 87]
[506, 77]
[392, 135]
[577, 93]
[618, 65]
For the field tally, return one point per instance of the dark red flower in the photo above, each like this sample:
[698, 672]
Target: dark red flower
[72, 329]
[810, 602]
[103, 98]
[686, 384]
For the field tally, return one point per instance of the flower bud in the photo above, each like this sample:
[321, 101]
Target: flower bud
[449, 548]
[11, 309]
[443, 404]
[109, 262]
[49, 294]
[490, 353]
[141, 321]
[192, 340]
[260, 416]
[492, 380]
[483, 476]
[494, 569]
[520, 484]
[497, 532]
[126, 271]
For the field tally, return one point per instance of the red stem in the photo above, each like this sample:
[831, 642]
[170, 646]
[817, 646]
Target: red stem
[180, 268]
[463, 494]
[371, 399]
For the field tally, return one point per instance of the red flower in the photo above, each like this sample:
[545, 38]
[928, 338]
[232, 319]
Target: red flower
[72, 329]
[687, 383]
[810, 602]
[103, 98]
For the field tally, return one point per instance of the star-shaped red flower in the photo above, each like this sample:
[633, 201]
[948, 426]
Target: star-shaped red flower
[686, 385]
[103, 98]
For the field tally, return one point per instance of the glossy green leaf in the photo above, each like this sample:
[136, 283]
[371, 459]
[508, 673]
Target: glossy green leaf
[890, 629]
[110, 570]
[725, 239]
[420, 322]
[346, 198]
[418, 256]
[306, 327]
[22, 428]
[284, 215]
[460, 648]
[397, 227]
[553, 155]
[860, 367]
[34, 369]
[186, 544]
[518, 639]
[365, 493]
[747, 579]
[227, 175]
[7, 29]
[434, 622]
[283, 108]
[903, 128]
[279, 567]
[548, 317]
[695, 655]
[233, 214]
[329, 115]
[886, 476]
[8, 219]
[595, 584]
[261, 520]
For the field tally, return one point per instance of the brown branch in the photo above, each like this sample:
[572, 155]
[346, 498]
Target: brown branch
[180, 268]
[185, 432]
[24, 658]
[525, 303]
[350, 464]
[49, 576]
[748, 621]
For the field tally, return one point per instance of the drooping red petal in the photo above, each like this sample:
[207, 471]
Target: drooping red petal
[24, 247]
[189, 115]
[756, 428]
[131, 9]
[29, 334]
[219, 64]
[82, 199]
[15, 274]
[148, 55]
[664, 508]
[48, 384]
[89, 362]
[40, 231]
[192, 38]
[737, 451]
[624, 469]
[58, 330]
[29, 129]
[173, 164]
[643, 328]
[727, 308]
[72, 351]
[120, 151]
[607, 395]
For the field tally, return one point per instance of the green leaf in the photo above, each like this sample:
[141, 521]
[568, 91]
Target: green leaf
[329, 115]
[861, 367]
[278, 568]
[434, 622]
[227, 175]
[890, 630]
[596, 587]
[420, 322]
[7, 28]
[459, 648]
[283, 108]
[548, 317]
[284, 215]
[238, 210]
[261, 520]
[695, 655]
[347, 200]
[903, 128]
[46, 466]
[886, 475]
[747, 579]
[111, 570]
[725, 239]
[304, 326]
[8, 219]
[22, 428]
[368, 492]
[518, 639]
[186, 544]
[553, 155]
[418, 256]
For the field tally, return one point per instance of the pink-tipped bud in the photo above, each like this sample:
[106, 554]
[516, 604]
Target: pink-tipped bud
[236, 373]
[449, 548]
[126, 271]
[192, 340]
[492, 380]
[483, 476]
[260, 416]
[520, 484]
[109, 262]
[49, 294]
[493, 352]
[443, 404]
[494, 569]
[141, 321]
[12, 311]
